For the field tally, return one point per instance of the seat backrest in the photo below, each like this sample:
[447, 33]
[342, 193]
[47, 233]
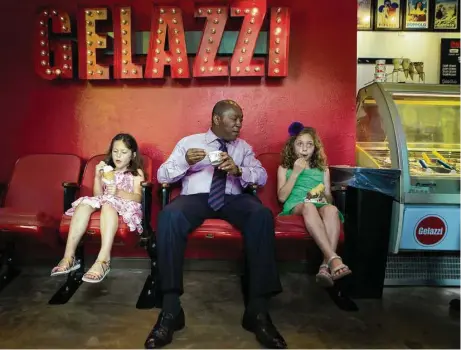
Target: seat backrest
[88, 174]
[268, 193]
[36, 184]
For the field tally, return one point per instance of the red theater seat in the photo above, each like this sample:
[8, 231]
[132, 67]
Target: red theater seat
[215, 239]
[125, 241]
[33, 205]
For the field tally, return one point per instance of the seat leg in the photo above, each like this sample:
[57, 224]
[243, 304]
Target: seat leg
[340, 298]
[8, 267]
[454, 304]
[151, 296]
[74, 280]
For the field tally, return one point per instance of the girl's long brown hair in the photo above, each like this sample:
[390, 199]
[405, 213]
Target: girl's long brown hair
[318, 159]
[130, 143]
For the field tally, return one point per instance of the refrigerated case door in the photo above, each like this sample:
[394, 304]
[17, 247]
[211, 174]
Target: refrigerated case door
[377, 144]
[431, 124]
[414, 128]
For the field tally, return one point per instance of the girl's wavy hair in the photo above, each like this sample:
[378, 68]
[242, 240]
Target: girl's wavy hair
[318, 159]
[130, 143]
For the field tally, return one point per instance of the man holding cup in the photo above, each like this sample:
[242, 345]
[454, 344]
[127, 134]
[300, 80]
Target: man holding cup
[214, 168]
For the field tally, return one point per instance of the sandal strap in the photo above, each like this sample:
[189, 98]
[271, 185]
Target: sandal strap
[105, 265]
[324, 272]
[66, 263]
[340, 267]
[333, 258]
[324, 266]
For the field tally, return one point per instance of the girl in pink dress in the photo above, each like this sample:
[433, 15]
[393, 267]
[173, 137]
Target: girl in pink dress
[117, 191]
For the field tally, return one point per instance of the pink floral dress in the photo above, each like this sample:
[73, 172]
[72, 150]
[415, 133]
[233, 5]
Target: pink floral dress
[129, 210]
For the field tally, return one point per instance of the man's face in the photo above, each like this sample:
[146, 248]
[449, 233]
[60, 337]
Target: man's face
[230, 124]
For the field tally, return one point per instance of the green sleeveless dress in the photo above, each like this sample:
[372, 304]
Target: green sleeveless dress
[306, 181]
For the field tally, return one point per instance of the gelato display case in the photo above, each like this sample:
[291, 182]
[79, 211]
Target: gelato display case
[415, 128]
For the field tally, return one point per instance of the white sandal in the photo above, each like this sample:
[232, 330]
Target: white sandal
[323, 277]
[105, 265]
[334, 275]
[65, 266]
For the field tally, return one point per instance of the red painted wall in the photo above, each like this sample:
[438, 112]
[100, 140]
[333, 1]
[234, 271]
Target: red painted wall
[79, 117]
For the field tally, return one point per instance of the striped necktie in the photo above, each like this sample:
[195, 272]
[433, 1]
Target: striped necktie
[218, 184]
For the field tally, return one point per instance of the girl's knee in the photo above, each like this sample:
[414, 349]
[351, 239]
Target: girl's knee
[83, 209]
[308, 209]
[107, 208]
[329, 211]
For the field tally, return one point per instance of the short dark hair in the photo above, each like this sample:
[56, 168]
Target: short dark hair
[224, 105]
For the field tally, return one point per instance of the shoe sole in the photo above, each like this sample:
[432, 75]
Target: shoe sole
[180, 327]
[324, 281]
[89, 280]
[60, 273]
[336, 278]
[249, 329]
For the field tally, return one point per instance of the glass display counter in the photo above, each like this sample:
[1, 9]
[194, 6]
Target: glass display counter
[415, 128]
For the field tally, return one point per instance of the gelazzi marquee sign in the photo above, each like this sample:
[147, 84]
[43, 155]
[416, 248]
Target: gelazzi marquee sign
[54, 49]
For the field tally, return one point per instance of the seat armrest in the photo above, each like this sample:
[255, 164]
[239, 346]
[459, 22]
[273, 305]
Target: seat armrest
[146, 207]
[165, 194]
[252, 189]
[70, 194]
[70, 184]
[147, 184]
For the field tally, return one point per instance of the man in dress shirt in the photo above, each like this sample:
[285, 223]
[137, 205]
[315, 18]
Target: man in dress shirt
[216, 192]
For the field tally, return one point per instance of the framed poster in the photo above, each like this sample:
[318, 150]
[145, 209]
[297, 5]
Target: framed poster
[364, 15]
[417, 15]
[449, 61]
[446, 16]
[388, 15]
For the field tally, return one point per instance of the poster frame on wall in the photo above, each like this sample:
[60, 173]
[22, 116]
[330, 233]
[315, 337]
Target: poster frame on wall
[435, 10]
[370, 14]
[378, 14]
[429, 15]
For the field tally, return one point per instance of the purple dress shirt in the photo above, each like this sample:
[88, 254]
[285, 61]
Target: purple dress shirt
[197, 178]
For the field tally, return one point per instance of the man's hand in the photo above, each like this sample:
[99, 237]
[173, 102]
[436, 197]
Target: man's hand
[195, 155]
[228, 164]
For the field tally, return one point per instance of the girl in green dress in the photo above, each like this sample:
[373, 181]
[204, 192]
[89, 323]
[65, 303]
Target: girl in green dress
[303, 168]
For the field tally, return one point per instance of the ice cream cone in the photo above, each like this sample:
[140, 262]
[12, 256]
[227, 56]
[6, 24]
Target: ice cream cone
[108, 175]
[412, 70]
[316, 192]
[406, 66]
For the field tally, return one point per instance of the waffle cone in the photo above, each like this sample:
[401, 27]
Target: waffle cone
[317, 190]
[110, 175]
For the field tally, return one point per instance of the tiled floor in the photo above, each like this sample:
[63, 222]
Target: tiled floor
[104, 315]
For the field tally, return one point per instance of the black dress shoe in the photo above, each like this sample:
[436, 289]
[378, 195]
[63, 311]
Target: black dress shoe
[162, 333]
[266, 333]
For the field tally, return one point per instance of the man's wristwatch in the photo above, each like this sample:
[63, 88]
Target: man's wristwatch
[239, 171]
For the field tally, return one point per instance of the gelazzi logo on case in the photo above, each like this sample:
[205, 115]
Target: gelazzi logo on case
[430, 230]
